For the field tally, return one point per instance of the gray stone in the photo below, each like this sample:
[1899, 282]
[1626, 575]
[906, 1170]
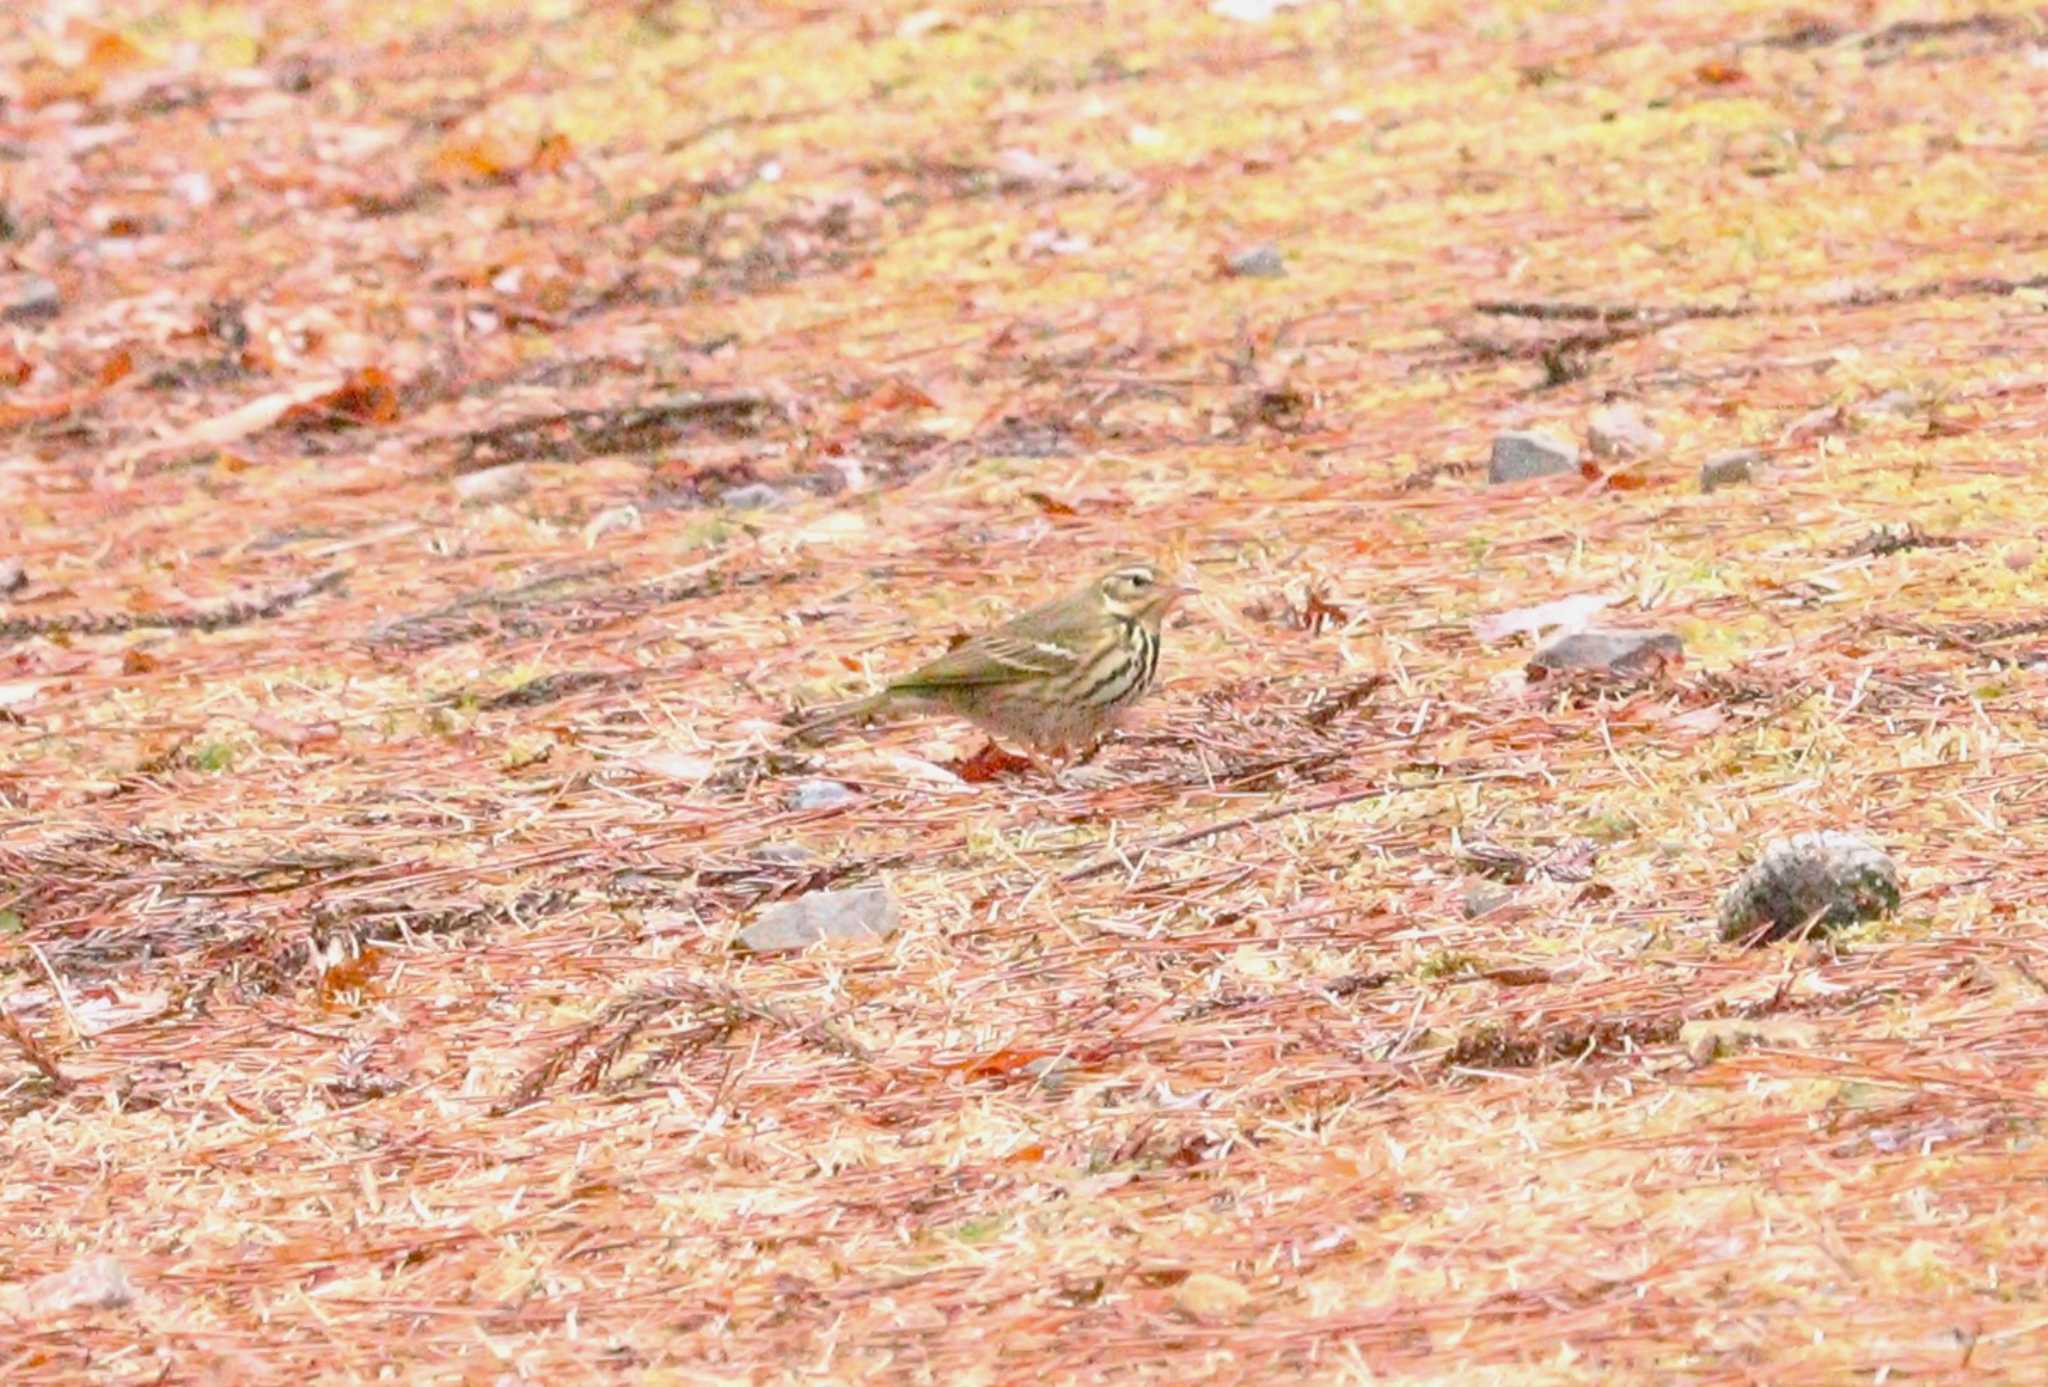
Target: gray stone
[1521, 454]
[13, 577]
[1053, 1072]
[1891, 403]
[1608, 652]
[754, 496]
[1619, 433]
[1729, 469]
[1257, 262]
[1825, 422]
[630, 885]
[32, 299]
[493, 484]
[1812, 882]
[1483, 898]
[783, 854]
[97, 1282]
[823, 794]
[864, 912]
[1019, 169]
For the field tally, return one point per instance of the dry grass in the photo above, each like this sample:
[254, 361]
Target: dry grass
[376, 837]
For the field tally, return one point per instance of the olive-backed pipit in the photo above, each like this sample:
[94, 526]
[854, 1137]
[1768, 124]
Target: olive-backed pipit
[1055, 678]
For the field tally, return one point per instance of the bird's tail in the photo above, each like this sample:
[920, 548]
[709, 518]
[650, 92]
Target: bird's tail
[817, 723]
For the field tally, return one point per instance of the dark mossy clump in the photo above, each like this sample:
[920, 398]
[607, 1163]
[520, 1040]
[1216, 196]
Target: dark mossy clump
[1817, 882]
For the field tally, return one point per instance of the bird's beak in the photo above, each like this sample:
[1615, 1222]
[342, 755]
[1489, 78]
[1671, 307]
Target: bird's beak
[1176, 591]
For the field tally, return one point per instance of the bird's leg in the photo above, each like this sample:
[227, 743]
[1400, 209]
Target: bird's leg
[1074, 772]
[1054, 765]
[1049, 762]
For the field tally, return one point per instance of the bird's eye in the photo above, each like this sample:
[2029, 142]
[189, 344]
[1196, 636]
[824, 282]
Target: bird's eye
[1141, 580]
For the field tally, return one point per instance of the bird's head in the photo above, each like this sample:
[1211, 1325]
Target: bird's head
[1139, 592]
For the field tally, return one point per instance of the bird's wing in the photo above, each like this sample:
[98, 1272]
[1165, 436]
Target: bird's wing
[1041, 642]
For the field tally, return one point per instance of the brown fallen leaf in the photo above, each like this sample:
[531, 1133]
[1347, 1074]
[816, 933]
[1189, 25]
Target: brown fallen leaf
[474, 157]
[1825, 422]
[1006, 1060]
[103, 49]
[897, 393]
[78, 69]
[15, 413]
[352, 975]
[367, 396]
[1318, 612]
[1051, 505]
[114, 369]
[891, 396]
[551, 154]
[989, 763]
[1621, 479]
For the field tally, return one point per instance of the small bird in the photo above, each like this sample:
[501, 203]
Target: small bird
[1055, 678]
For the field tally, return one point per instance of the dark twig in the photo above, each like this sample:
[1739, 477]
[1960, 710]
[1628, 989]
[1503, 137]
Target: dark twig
[627, 1018]
[33, 1050]
[1110, 861]
[1663, 315]
[204, 619]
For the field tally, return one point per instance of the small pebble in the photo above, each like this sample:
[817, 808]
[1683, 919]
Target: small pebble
[630, 883]
[1619, 433]
[1892, 402]
[1208, 1296]
[1729, 469]
[90, 1283]
[1612, 652]
[32, 299]
[1828, 421]
[754, 496]
[500, 483]
[1258, 262]
[605, 522]
[823, 794]
[1521, 454]
[863, 912]
[1052, 1073]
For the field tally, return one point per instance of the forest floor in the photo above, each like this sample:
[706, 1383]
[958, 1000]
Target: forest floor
[441, 443]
